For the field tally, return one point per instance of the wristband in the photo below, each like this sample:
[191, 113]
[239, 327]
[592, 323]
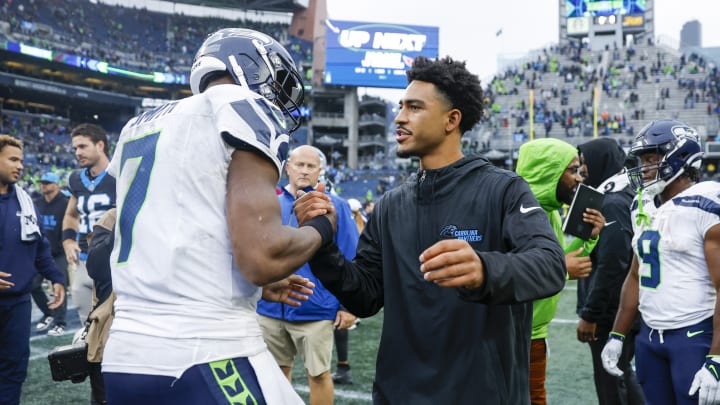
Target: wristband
[618, 336]
[324, 227]
[711, 365]
[69, 234]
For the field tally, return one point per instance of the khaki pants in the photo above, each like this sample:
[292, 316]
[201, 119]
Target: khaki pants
[538, 363]
[312, 340]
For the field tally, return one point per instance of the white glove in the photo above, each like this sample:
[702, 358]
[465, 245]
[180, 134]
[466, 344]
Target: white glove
[707, 380]
[611, 354]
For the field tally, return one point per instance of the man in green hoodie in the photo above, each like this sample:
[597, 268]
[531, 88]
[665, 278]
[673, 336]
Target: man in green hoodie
[552, 169]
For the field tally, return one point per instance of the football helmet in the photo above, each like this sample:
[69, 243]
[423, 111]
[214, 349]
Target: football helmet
[677, 147]
[255, 60]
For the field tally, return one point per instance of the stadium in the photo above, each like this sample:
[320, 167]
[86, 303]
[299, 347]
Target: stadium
[67, 62]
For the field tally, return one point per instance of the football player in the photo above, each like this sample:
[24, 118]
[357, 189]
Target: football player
[92, 193]
[675, 273]
[199, 231]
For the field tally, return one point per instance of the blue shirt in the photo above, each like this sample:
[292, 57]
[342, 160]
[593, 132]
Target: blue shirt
[22, 259]
[322, 305]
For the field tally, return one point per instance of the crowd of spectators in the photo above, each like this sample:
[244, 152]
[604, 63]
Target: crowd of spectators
[125, 37]
[562, 79]
[47, 145]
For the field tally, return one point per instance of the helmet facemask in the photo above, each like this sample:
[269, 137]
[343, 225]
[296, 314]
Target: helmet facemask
[649, 187]
[674, 158]
[285, 90]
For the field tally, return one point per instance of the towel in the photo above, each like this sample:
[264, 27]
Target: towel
[29, 229]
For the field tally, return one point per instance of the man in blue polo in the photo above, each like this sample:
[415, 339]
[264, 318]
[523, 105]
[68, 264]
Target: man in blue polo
[307, 330]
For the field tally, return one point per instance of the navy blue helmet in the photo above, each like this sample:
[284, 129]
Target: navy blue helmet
[253, 59]
[677, 146]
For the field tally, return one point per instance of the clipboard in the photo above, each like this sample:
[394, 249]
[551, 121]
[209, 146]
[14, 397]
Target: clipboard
[585, 197]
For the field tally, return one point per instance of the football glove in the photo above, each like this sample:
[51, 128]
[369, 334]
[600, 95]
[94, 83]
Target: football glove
[707, 380]
[611, 353]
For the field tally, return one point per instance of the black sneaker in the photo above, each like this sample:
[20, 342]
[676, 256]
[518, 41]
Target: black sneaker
[44, 324]
[343, 375]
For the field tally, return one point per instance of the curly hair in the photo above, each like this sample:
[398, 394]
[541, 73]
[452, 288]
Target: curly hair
[693, 174]
[460, 87]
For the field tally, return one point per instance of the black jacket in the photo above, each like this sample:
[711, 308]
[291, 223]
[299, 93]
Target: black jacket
[599, 295]
[98, 262]
[51, 217]
[441, 345]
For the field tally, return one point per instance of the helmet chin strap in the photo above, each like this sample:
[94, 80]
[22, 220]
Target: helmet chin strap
[239, 73]
[656, 188]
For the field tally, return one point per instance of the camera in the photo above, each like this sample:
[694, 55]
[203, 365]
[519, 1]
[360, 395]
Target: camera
[69, 362]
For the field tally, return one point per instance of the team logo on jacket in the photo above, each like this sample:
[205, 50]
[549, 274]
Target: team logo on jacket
[453, 232]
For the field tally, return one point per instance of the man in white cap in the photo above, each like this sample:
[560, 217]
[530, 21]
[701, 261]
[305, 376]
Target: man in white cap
[52, 208]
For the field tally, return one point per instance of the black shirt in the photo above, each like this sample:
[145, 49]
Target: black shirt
[51, 218]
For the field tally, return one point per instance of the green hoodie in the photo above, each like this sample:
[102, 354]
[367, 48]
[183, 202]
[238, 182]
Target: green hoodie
[541, 163]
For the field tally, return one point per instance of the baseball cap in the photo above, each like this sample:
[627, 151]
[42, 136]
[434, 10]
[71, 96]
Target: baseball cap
[354, 204]
[50, 177]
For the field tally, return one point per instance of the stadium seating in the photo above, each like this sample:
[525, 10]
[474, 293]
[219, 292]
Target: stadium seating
[629, 82]
[126, 37]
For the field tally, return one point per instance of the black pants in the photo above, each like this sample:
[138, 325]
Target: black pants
[613, 390]
[41, 300]
[14, 349]
[341, 345]
[97, 385]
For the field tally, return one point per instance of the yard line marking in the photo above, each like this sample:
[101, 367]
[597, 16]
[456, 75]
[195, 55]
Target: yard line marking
[41, 353]
[45, 336]
[558, 320]
[339, 393]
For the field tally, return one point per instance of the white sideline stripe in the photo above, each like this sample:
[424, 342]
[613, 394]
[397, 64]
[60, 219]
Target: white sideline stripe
[557, 320]
[338, 393]
[36, 353]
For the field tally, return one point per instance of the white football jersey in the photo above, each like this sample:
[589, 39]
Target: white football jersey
[180, 299]
[675, 286]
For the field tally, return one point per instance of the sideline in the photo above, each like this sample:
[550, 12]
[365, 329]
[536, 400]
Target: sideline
[36, 353]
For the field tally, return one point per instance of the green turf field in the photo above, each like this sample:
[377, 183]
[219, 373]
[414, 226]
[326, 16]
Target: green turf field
[569, 380]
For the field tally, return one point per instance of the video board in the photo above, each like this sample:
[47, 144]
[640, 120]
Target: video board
[594, 8]
[368, 54]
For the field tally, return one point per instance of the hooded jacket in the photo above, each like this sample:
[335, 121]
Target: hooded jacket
[599, 295]
[450, 345]
[541, 163]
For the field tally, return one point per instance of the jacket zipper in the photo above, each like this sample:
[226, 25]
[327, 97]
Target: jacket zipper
[417, 207]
